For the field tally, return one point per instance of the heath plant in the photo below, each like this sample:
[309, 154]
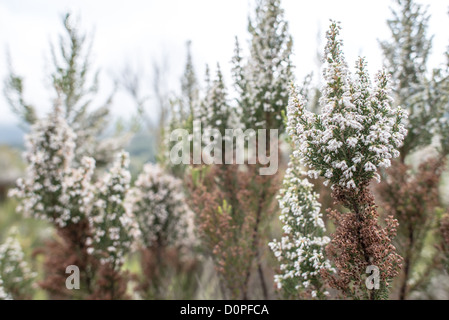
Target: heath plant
[301, 249]
[356, 133]
[166, 224]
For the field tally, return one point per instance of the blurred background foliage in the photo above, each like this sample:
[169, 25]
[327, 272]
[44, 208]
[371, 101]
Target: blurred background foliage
[145, 144]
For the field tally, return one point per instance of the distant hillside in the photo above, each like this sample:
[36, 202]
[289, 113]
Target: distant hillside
[141, 150]
[141, 145]
[11, 134]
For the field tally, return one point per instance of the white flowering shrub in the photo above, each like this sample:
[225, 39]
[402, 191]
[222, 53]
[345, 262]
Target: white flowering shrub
[214, 111]
[49, 155]
[114, 229]
[357, 131]
[76, 84]
[160, 208]
[436, 95]
[262, 79]
[78, 192]
[14, 271]
[52, 189]
[406, 55]
[301, 250]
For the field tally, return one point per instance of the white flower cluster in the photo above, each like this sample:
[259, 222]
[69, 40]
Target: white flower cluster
[78, 193]
[357, 131]
[301, 250]
[14, 270]
[215, 97]
[3, 294]
[161, 210]
[214, 111]
[52, 187]
[265, 77]
[114, 228]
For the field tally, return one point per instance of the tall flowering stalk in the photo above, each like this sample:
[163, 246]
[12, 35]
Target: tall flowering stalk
[161, 211]
[215, 113]
[114, 229]
[261, 81]
[54, 190]
[166, 224]
[17, 277]
[301, 250]
[76, 85]
[50, 152]
[356, 133]
[183, 110]
[113, 224]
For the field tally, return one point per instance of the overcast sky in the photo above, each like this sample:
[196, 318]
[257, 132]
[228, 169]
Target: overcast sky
[140, 32]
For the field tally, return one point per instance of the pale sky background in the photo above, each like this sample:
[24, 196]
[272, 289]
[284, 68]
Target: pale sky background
[140, 32]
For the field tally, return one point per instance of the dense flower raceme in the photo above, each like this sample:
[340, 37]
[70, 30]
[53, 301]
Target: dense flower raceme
[52, 189]
[301, 250]
[160, 208]
[14, 270]
[214, 111]
[357, 131]
[113, 224]
[262, 79]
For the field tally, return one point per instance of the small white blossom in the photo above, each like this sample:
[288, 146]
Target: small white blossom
[53, 189]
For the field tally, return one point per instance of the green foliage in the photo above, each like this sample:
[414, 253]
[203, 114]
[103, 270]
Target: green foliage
[14, 94]
[406, 56]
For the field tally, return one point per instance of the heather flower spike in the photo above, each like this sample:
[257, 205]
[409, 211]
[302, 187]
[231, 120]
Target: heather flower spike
[115, 230]
[161, 211]
[357, 131]
[52, 189]
[301, 250]
[262, 80]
